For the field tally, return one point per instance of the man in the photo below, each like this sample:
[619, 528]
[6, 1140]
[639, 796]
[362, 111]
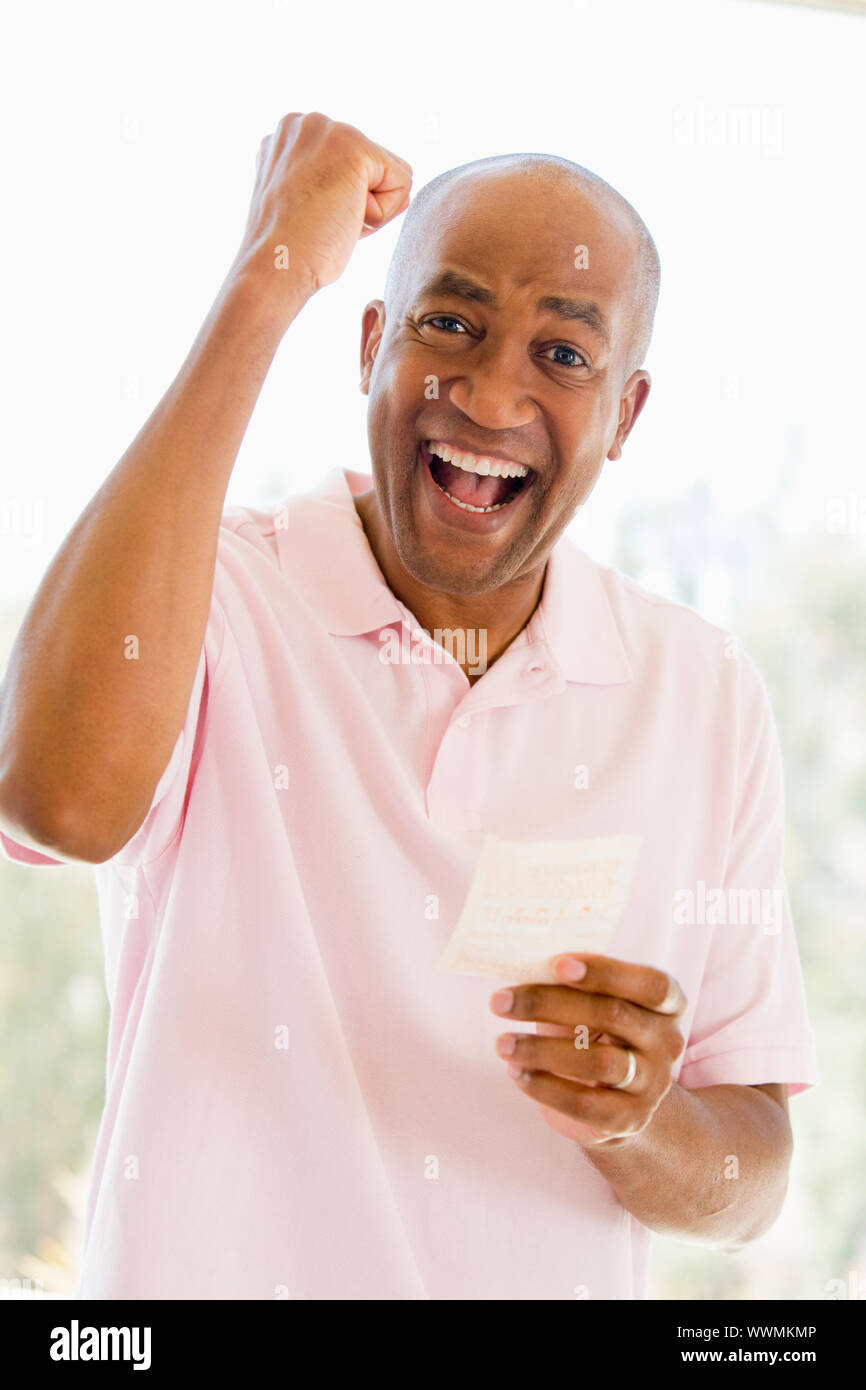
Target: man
[284, 822]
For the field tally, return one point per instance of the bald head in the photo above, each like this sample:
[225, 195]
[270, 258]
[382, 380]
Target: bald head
[547, 172]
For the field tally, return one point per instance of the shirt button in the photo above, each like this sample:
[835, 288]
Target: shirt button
[531, 670]
[464, 721]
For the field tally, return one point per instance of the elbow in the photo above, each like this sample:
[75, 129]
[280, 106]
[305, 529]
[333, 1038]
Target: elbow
[765, 1216]
[51, 827]
[763, 1223]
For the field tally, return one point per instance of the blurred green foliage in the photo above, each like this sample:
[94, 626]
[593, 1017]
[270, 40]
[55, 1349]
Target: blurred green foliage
[53, 1031]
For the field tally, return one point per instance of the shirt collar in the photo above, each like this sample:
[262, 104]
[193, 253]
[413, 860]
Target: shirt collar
[324, 552]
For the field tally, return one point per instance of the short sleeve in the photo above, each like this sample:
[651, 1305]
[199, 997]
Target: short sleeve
[751, 1025]
[165, 814]
[22, 854]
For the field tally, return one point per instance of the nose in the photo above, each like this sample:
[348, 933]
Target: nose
[493, 391]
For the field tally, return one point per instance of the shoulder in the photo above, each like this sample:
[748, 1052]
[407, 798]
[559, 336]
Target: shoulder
[668, 640]
[252, 528]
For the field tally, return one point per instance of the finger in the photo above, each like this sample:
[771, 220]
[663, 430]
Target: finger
[388, 193]
[600, 1013]
[641, 984]
[396, 159]
[600, 1063]
[374, 218]
[286, 127]
[609, 1112]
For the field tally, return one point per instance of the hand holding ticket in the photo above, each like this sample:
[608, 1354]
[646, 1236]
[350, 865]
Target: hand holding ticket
[529, 902]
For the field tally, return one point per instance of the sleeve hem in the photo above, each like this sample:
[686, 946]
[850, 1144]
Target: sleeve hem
[795, 1067]
[17, 853]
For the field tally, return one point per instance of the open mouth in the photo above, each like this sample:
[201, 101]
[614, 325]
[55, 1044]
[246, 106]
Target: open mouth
[475, 482]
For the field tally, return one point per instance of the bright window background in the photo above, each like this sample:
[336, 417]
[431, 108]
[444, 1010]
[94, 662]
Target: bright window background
[129, 135]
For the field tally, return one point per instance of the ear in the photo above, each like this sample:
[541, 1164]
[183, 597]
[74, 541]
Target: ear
[372, 328]
[631, 404]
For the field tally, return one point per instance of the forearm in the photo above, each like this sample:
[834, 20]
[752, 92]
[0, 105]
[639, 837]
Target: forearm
[84, 731]
[710, 1167]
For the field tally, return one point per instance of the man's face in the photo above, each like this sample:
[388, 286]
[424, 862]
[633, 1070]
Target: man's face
[483, 352]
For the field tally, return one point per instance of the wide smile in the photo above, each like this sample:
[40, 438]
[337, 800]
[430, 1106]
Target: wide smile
[477, 485]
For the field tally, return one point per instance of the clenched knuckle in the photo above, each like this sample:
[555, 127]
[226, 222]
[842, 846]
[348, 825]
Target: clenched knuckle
[677, 998]
[616, 1013]
[342, 134]
[660, 991]
[610, 1066]
[528, 999]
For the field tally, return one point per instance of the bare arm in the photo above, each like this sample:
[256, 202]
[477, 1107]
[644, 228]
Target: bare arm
[85, 732]
[711, 1167]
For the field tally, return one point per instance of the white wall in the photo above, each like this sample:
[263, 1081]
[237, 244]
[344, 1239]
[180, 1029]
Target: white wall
[129, 133]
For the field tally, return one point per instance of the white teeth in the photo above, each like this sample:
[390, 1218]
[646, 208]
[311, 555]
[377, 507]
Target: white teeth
[468, 507]
[471, 463]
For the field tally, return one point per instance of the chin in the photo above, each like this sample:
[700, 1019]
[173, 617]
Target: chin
[455, 575]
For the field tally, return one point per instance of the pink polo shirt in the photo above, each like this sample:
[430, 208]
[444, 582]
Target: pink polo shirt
[300, 1104]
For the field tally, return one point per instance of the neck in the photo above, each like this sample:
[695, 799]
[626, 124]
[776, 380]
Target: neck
[488, 623]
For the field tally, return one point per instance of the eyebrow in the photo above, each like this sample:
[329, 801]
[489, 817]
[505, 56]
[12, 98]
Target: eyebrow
[459, 286]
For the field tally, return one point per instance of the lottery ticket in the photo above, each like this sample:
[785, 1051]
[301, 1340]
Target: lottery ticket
[531, 901]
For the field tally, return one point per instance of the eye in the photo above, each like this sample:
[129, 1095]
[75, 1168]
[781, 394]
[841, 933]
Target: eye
[437, 319]
[579, 359]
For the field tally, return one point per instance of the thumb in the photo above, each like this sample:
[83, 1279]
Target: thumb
[382, 206]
